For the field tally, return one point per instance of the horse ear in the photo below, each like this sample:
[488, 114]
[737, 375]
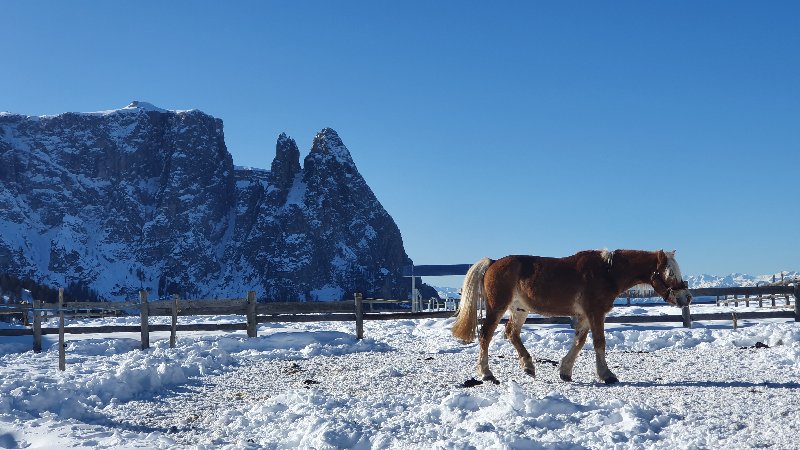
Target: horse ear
[662, 258]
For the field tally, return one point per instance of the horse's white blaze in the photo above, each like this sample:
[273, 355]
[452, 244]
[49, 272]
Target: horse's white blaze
[681, 297]
[673, 270]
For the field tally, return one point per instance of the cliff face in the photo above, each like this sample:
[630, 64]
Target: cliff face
[142, 197]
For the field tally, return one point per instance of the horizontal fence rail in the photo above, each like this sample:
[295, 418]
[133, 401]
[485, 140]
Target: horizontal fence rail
[743, 290]
[341, 311]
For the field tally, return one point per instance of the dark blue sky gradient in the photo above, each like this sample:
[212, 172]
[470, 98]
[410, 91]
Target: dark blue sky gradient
[484, 128]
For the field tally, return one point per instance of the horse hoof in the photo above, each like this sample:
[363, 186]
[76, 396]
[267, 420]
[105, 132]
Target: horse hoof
[611, 380]
[565, 377]
[491, 378]
[472, 382]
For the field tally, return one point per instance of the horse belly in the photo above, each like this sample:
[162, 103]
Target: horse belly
[546, 305]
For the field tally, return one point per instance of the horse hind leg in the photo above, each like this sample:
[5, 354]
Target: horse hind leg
[568, 362]
[512, 332]
[494, 312]
[487, 331]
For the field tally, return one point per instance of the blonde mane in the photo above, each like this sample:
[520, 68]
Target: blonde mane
[608, 256]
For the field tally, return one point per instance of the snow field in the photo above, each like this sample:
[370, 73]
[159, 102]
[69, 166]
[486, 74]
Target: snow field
[314, 386]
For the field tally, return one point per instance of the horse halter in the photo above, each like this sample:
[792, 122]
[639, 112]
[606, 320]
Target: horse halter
[668, 291]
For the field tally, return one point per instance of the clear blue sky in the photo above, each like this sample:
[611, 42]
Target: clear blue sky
[484, 129]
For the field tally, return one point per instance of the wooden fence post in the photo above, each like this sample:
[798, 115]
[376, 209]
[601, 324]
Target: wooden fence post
[62, 358]
[687, 318]
[174, 330]
[796, 303]
[37, 326]
[252, 330]
[144, 313]
[359, 305]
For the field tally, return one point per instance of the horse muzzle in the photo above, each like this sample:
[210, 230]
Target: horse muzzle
[681, 298]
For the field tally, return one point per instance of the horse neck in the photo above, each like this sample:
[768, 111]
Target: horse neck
[632, 267]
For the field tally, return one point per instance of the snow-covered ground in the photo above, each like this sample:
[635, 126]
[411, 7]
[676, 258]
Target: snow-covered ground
[314, 386]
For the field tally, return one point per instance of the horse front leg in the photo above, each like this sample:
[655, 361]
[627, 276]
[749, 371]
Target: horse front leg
[597, 324]
[568, 362]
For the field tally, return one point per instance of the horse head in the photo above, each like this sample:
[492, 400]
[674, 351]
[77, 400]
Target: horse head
[668, 282]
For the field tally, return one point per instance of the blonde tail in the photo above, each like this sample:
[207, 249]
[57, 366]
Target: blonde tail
[466, 324]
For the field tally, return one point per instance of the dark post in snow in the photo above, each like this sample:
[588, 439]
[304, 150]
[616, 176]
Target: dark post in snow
[359, 306]
[687, 318]
[62, 360]
[37, 326]
[143, 314]
[796, 304]
[252, 330]
[174, 329]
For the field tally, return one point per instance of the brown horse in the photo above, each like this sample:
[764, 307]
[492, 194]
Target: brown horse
[583, 286]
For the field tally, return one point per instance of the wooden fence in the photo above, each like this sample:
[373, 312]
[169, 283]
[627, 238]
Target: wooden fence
[348, 310]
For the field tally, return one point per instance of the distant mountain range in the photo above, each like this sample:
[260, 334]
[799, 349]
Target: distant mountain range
[147, 198]
[736, 279]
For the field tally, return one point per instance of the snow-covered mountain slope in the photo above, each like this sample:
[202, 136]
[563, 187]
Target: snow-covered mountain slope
[143, 197]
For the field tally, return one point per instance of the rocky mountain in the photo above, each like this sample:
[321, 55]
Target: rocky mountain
[142, 197]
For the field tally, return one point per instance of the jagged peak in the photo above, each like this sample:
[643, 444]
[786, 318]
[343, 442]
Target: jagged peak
[327, 142]
[287, 161]
[285, 143]
[285, 148]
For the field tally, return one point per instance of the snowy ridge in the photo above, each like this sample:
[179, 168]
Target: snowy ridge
[133, 107]
[137, 107]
